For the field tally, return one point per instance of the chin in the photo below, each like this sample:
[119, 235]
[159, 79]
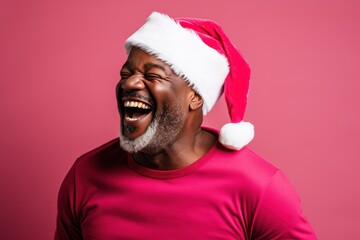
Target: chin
[132, 143]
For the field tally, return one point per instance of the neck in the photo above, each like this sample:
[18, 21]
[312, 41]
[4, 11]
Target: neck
[184, 151]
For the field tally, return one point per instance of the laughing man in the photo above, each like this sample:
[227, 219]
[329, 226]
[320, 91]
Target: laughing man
[167, 177]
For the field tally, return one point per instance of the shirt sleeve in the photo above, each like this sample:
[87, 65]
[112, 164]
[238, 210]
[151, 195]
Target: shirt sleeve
[67, 224]
[279, 215]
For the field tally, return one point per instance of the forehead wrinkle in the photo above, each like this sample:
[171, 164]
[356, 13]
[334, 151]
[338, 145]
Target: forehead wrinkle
[149, 66]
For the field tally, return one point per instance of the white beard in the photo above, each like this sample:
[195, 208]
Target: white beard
[141, 142]
[161, 132]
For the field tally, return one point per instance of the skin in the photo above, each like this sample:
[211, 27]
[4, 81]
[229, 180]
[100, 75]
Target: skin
[145, 78]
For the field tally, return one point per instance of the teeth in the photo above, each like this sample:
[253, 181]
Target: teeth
[131, 119]
[136, 104]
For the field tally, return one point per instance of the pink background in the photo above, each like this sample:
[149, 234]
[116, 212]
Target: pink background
[60, 62]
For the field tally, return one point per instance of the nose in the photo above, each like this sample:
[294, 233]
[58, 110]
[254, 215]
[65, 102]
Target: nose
[134, 82]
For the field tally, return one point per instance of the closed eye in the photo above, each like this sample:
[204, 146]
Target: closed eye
[125, 75]
[152, 76]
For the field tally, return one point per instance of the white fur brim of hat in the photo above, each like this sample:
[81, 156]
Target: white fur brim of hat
[202, 66]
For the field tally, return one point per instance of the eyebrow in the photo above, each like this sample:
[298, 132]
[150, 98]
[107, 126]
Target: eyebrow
[147, 66]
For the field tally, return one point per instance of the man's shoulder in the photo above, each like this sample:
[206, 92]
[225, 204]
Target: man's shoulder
[104, 149]
[247, 166]
[247, 160]
[244, 159]
[107, 155]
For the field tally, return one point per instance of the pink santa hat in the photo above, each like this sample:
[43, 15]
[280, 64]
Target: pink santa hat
[199, 51]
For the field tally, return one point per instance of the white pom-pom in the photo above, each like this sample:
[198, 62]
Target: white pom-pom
[236, 135]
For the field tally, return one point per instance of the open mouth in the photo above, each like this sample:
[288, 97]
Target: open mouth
[135, 110]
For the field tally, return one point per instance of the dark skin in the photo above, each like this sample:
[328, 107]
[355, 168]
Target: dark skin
[155, 80]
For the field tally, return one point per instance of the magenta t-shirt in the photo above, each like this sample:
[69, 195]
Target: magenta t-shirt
[223, 195]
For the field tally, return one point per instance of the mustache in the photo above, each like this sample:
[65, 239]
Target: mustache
[136, 95]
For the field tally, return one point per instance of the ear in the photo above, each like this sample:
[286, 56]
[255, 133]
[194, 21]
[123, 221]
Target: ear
[196, 101]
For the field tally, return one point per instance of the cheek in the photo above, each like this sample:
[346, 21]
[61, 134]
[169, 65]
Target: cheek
[161, 89]
[171, 96]
[162, 95]
[118, 90]
[118, 96]
[164, 91]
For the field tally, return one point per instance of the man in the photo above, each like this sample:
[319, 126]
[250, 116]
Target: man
[171, 178]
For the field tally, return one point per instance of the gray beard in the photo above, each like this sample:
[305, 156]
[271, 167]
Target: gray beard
[139, 143]
[161, 132]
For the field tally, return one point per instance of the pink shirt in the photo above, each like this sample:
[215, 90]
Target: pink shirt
[223, 195]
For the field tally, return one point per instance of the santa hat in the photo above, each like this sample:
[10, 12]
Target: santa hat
[199, 51]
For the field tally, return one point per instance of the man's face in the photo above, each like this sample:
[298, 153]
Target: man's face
[152, 101]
